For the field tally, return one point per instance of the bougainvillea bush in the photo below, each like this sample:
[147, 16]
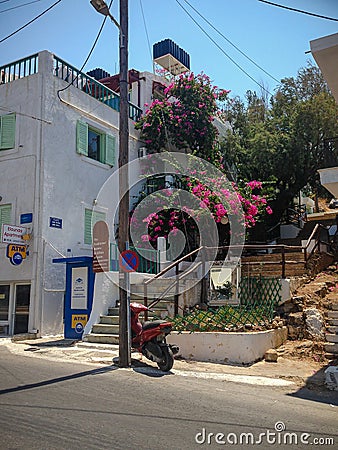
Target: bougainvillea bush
[184, 118]
[184, 121]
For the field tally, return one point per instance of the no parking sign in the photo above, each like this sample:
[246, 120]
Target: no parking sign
[129, 261]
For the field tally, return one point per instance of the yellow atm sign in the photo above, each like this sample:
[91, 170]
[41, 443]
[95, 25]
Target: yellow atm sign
[16, 253]
[79, 322]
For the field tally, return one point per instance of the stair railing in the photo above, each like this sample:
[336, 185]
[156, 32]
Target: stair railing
[315, 235]
[175, 265]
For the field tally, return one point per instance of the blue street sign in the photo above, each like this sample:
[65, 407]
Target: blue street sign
[26, 218]
[55, 222]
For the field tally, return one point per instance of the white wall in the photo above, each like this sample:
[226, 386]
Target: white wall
[44, 175]
[239, 348]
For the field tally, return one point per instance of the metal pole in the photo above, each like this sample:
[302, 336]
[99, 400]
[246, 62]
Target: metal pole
[124, 345]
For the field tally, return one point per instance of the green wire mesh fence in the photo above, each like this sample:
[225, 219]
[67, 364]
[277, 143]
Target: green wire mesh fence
[258, 298]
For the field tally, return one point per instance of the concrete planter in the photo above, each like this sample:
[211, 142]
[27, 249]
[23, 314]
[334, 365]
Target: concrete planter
[240, 348]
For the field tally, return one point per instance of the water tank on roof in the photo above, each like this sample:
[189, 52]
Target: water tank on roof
[98, 74]
[171, 57]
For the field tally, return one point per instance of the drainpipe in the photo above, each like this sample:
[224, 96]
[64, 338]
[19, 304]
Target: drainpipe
[45, 71]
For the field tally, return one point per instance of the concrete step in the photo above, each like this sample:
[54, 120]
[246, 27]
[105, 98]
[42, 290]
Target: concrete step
[113, 311]
[333, 330]
[102, 328]
[111, 320]
[156, 288]
[332, 314]
[331, 348]
[334, 306]
[332, 322]
[102, 338]
[333, 338]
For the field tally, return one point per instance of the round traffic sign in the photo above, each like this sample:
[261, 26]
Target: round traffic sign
[129, 261]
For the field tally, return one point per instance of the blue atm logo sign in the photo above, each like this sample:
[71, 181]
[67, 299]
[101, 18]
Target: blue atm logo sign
[16, 253]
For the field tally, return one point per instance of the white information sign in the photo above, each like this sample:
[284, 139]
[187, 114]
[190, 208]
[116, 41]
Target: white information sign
[12, 234]
[79, 294]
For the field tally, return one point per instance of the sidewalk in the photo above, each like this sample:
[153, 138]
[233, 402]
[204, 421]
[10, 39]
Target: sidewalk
[294, 372]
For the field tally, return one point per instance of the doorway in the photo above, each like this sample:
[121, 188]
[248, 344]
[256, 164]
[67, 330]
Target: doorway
[4, 309]
[22, 301]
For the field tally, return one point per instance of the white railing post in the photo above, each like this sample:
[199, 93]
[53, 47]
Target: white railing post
[162, 248]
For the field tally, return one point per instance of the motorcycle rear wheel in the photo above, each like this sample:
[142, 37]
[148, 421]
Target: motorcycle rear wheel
[168, 360]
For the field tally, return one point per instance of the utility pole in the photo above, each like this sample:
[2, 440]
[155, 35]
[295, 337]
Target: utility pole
[123, 239]
[124, 344]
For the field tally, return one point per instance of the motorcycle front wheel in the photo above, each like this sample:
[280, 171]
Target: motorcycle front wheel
[168, 359]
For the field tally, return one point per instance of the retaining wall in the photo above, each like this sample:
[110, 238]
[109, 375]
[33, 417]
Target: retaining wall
[239, 348]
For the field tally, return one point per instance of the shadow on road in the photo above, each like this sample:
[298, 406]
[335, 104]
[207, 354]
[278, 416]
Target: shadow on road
[55, 343]
[315, 390]
[58, 380]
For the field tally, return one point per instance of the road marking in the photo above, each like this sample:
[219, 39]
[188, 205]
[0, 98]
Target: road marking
[247, 379]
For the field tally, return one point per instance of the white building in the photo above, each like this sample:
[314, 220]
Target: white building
[57, 148]
[325, 52]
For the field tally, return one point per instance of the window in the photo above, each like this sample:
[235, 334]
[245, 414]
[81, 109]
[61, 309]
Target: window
[155, 184]
[95, 144]
[7, 131]
[90, 219]
[5, 215]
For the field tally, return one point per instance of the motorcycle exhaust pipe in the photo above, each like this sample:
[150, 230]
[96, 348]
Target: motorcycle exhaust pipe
[175, 349]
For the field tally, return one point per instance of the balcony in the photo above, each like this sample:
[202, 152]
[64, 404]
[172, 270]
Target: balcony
[61, 69]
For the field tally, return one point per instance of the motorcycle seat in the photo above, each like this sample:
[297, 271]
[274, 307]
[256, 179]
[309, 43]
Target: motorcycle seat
[152, 324]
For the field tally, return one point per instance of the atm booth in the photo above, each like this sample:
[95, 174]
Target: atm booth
[79, 293]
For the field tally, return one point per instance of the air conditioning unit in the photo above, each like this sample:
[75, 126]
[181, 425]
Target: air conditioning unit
[142, 152]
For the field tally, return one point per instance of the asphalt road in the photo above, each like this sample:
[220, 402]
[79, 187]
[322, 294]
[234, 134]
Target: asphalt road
[46, 404]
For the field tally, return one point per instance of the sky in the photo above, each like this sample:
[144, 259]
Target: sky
[275, 39]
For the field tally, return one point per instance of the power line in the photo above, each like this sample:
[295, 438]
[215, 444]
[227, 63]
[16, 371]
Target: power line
[25, 115]
[222, 50]
[231, 43]
[299, 10]
[89, 54]
[145, 27]
[19, 6]
[28, 23]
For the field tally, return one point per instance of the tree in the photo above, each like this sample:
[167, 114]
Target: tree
[286, 142]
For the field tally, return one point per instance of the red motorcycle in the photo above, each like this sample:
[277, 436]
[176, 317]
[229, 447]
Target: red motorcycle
[150, 338]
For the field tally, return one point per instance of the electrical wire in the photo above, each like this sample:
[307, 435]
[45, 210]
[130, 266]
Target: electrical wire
[25, 115]
[89, 54]
[299, 10]
[19, 6]
[31, 21]
[146, 30]
[231, 43]
[222, 50]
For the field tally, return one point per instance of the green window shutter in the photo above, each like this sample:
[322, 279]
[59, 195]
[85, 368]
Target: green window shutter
[109, 154]
[88, 226]
[7, 131]
[5, 215]
[82, 138]
[91, 217]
